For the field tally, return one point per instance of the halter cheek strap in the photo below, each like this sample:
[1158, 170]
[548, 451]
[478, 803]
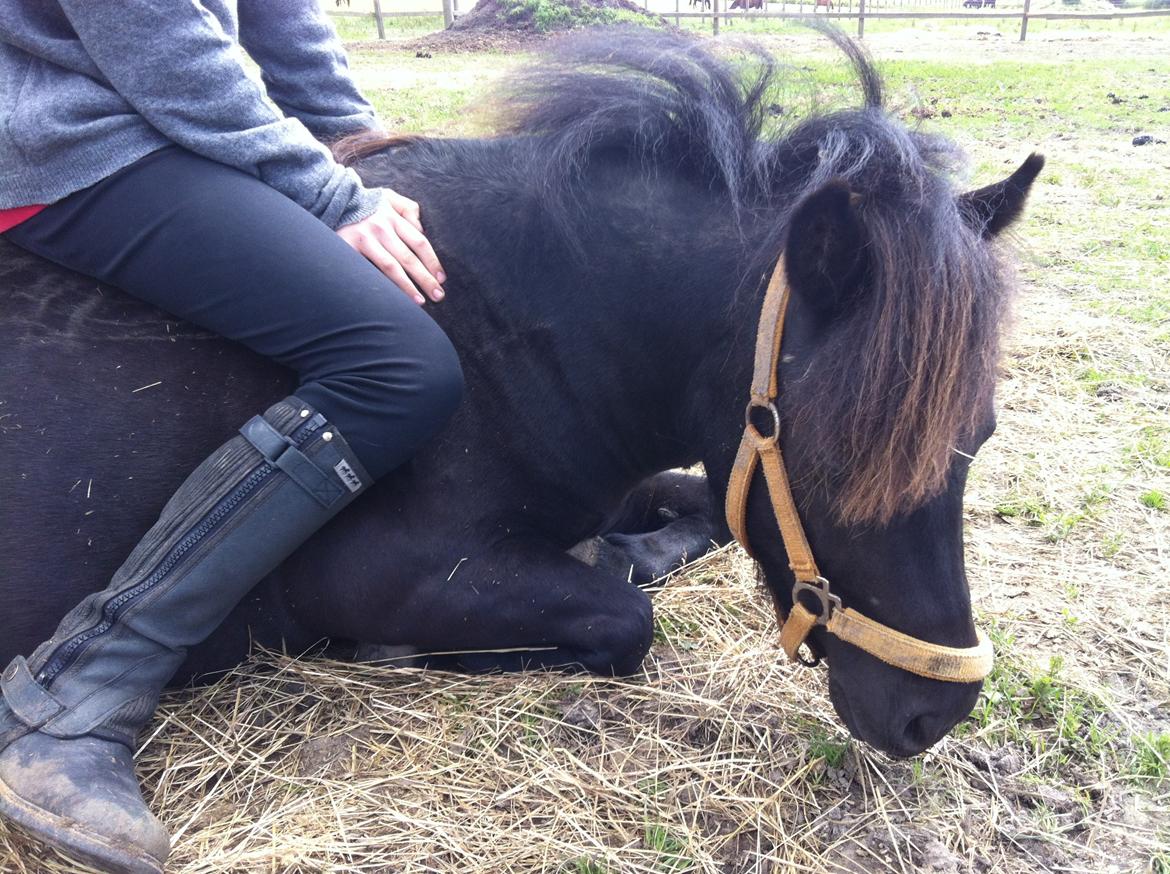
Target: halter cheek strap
[952, 664]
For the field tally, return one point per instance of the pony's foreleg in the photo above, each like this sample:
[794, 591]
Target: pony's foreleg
[661, 499]
[668, 520]
[524, 603]
[642, 558]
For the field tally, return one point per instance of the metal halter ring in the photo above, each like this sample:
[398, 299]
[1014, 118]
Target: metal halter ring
[819, 588]
[762, 404]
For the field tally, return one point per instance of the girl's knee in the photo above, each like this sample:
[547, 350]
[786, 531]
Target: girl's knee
[394, 381]
[420, 379]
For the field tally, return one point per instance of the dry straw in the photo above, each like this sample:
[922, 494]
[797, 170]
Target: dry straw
[717, 758]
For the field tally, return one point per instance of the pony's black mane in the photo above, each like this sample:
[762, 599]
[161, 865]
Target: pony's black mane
[674, 105]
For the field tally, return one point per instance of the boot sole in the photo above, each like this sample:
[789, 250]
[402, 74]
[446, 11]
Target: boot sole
[66, 835]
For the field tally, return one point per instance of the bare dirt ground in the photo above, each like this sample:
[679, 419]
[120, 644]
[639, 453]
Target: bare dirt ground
[718, 757]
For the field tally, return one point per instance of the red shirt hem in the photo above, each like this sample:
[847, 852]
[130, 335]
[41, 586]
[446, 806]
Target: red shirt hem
[10, 218]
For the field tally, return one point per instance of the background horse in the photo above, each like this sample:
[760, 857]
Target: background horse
[606, 259]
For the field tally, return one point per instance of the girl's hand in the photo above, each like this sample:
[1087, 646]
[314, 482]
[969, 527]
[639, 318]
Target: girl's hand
[393, 241]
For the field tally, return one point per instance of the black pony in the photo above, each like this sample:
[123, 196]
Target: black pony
[606, 258]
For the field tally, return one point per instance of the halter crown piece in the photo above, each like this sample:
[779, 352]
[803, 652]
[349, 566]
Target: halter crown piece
[952, 664]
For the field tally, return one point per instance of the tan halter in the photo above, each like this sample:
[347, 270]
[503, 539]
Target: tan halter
[956, 665]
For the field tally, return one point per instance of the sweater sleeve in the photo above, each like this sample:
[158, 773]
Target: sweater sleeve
[176, 66]
[303, 66]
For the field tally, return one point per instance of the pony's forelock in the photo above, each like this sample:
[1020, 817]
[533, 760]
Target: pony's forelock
[907, 373]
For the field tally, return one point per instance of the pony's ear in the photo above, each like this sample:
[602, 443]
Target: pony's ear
[824, 252]
[991, 209]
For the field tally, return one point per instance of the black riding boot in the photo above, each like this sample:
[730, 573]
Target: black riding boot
[70, 713]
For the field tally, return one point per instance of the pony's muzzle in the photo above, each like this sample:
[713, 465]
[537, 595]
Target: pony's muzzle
[900, 715]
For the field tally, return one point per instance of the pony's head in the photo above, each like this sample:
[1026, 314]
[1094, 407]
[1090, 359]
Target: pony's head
[897, 293]
[886, 383]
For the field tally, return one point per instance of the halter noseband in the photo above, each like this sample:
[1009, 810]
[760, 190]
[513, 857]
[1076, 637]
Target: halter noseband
[952, 664]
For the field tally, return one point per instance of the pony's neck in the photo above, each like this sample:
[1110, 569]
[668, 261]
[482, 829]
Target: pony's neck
[656, 300]
[623, 338]
[706, 322]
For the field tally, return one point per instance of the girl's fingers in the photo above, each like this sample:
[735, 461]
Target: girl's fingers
[397, 275]
[374, 252]
[394, 272]
[420, 246]
[395, 248]
[393, 241]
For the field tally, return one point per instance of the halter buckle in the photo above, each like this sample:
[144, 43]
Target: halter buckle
[819, 588]
[763, 404]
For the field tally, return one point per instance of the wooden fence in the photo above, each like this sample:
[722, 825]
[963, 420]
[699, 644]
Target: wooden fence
[806, 10]
[862, 15]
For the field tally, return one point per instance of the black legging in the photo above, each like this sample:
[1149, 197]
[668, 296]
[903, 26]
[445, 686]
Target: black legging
[221, 249]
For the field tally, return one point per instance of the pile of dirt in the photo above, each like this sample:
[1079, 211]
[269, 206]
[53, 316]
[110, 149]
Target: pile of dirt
[510, 25]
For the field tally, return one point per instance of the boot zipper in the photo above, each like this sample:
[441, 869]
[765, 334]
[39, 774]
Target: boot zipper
[68, 652]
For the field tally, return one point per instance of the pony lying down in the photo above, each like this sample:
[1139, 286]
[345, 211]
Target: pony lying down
[608, 257]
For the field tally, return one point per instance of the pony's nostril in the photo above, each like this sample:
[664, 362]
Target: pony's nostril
[915, 735]
[908, 721]
[922, 732]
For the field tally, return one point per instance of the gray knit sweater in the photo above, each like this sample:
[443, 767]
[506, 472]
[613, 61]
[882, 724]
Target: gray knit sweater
[90, 86]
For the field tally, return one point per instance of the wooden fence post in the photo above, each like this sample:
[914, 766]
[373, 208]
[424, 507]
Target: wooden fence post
[1024, 20]
[715, 17]
[677, 20]
[448, 14]
[860, 19]
[378, 19]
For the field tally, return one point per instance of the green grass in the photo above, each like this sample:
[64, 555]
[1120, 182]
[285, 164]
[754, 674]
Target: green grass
[1113, 543]
[355, 29]
[1152, 756]
[586, 866]
[1057, 523]
[1093, 378]
[653, 786]
[1037, 709]
[1026, 99]
[679, 632]
[1152, 448]
[1153, 499]
[435, 96]
[1059, 723]
[1031, 509]
[671, 850]
[828, 748]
